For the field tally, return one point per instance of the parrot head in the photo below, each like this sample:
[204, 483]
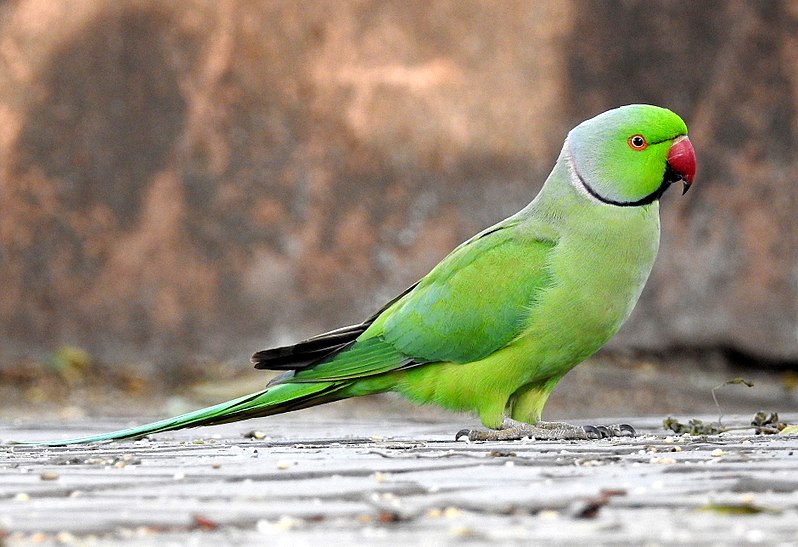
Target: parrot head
[630, 155]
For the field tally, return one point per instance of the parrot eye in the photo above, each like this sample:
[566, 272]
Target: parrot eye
[637, 142]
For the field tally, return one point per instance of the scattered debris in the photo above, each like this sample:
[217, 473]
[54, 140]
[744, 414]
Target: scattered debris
[767, 424]
[762, 423]
[698, 427]
[502, 454]
[733, 509]
[107, 461]
[693, 427]
[589, 508]
[662, 461]
[389, 517]
[201, 522]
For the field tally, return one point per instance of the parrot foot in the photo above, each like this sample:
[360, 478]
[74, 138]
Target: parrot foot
[513, 430]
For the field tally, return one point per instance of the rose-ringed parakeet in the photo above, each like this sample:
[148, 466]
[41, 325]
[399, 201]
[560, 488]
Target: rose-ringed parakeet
[501, 319]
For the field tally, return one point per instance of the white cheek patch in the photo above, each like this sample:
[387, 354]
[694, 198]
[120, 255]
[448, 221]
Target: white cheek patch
[576, 180]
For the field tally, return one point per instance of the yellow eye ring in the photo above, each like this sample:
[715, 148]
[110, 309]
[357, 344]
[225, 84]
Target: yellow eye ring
[637, 142]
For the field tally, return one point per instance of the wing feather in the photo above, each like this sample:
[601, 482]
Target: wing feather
[471, 304]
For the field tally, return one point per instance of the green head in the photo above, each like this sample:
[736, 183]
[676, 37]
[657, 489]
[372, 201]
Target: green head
[630, 155]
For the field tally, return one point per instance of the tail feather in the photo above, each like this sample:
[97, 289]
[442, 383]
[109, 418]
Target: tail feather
[272, 400]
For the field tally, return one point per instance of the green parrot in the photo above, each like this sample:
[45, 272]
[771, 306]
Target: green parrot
[501, 319]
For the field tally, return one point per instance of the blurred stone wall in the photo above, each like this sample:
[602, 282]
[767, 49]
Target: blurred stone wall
[199, 179]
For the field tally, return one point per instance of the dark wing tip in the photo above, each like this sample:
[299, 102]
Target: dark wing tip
[307, 352]
[317, 348]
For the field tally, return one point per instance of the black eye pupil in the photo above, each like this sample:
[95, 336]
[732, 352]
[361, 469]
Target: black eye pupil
[637, 141]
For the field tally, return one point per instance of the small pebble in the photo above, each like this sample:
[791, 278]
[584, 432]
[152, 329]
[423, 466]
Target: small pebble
[286, 523]
[380, 477]
[665, 461]
[717, 453]
[65, 537]
[48, 476]
[39, 537]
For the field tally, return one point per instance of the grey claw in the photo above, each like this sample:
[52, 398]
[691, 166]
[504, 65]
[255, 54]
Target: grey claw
[462, 433]
[605, 432]
[592, 431]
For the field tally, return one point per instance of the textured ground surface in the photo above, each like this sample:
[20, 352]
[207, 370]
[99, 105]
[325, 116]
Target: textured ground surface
[388, 482]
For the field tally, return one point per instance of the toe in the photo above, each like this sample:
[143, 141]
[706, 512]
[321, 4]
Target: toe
[592, 432]
[605, 431]
[463, 433]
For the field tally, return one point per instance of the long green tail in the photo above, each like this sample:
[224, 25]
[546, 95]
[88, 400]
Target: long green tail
[275, 399]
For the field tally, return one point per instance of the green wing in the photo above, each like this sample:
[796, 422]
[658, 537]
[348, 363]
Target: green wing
[470, 305]
[363, 358]
[473, 303]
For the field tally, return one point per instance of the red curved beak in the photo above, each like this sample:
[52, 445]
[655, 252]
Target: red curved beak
[681, 158]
